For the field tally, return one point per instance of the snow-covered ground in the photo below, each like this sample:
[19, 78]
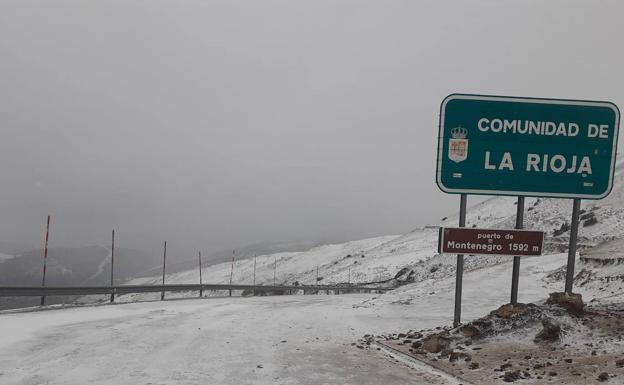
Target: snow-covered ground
[239, 340]
[305, 339]
[259, 340]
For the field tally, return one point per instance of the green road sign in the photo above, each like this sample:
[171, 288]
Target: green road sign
[524, 146]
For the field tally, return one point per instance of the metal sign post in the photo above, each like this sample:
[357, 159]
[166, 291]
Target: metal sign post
[576, 207]
[459, 275]
[515, 275]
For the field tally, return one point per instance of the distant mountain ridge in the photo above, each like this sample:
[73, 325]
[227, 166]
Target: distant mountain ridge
[73, 266]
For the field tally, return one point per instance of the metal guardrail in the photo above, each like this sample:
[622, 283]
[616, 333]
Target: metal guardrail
[38, 291]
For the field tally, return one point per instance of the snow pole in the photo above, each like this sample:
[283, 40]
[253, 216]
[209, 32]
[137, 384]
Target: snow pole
[317, 280]
[460, 264]
[112, 297]
[45, 259]
[254, 276]
[201, 288]
[576, 207]
[515, 275]
[232, 271]
[162, 294]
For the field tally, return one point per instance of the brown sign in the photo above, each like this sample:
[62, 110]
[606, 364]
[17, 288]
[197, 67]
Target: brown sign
[455, 240]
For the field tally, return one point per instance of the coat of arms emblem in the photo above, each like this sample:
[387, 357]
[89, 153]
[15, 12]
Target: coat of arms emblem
[458, 144]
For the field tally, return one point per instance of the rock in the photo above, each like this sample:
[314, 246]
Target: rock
[604, 376]
[473, 365]
[505, 366]
[508, 311]
[573, 303]
[416, 344]
[470, 331]
[446, 352]
[405, 275]
[415, 335]
[552, 374]
[511, 376]
[435, 343]
[620, 363]
[550, 332]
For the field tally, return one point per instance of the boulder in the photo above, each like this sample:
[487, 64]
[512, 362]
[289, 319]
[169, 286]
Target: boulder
[405, 275]
[550, 332]
[509, 311]
[573, 302]
[435, 343]
[416, 344]
[511, 376]
[470, 331]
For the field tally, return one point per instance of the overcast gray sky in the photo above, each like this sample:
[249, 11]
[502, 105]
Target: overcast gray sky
[215, 124]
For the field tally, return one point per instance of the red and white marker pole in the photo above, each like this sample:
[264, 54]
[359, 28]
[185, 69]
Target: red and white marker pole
[232, 271]
[45, 259]
[162, 294]
[201, 289]
[112, 298]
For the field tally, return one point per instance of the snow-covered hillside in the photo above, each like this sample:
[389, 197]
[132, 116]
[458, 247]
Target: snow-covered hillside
[381, 258]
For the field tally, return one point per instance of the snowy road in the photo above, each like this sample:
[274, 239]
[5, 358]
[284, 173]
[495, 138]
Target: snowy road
[262, 340]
